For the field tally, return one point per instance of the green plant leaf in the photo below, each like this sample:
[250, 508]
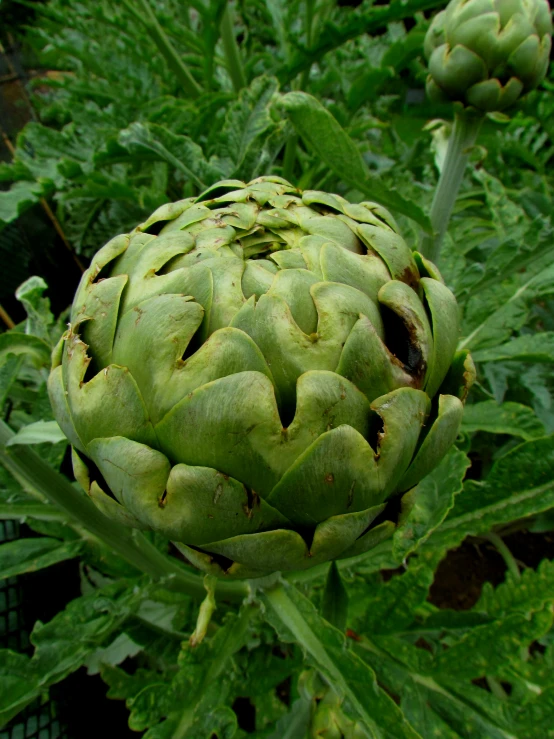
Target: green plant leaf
[529, 348]
[508, 418]
[295, 723]
[250, 138]
[355, 23]
[38, 433]
[488, 649]
[531, 592]
[17, 343]
[20, 197]
[181, 152]
[295, 619]
[426, 506]
[334, 607]
[63, 644]
[29, 555]
[494, 322]
[389, 607]
[38, 511]
[325, 136]
[120, 649]
[37, 307]
[436, 661]
[520, 484]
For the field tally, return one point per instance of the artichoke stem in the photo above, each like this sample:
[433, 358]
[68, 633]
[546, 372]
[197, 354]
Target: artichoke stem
[231, 50]
[289, 158]
[464, 134]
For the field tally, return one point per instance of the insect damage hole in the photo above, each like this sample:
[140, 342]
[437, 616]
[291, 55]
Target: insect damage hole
[400, 340]
[375, 432]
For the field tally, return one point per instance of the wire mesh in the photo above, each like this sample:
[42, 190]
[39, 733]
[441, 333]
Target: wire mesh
[40, 719]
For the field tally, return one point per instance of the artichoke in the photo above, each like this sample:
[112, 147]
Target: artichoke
[487, 53]
[259, 374]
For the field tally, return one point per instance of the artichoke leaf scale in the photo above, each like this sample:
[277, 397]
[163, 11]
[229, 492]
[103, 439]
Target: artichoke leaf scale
[103, 257]
[393, 250]
[125, 414]
[445, 330]
[439, 438]
[98, 319]
[366, 272]
[286, 550]
[169, 212]
[229, 424]
[367, 362]
[188, 218]
[124, 263]
[59, 400]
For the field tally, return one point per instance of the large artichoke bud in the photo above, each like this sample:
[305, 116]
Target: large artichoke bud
[487, 53]
[254, 372]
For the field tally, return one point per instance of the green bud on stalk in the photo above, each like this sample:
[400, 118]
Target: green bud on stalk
[488, 53]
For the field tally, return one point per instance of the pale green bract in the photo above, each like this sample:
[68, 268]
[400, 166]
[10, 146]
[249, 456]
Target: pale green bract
[255, 373]
[487, 53]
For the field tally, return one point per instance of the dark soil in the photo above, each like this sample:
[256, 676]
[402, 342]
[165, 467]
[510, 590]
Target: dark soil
[460, 576]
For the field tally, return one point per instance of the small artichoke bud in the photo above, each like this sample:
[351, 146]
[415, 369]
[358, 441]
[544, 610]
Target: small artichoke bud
[488, 53]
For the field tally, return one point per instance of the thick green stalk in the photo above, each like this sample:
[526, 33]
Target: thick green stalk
[464, 133]
[38, 511]
[289, 159]
[131, 545]
[231, 49]
[143, 12]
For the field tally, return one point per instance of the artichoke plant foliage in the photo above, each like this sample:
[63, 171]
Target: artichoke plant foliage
[262, 375]
[487, 53]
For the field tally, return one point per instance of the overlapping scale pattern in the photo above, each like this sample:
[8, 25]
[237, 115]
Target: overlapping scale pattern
[487, 53]
[256, 373]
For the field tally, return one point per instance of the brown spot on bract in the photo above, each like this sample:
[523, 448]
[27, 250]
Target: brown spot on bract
[218, 493]
[247, 510]
[410, 277]
[329, 478]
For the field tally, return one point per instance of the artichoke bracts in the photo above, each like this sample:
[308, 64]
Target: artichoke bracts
[254, 373]
[487, 53]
